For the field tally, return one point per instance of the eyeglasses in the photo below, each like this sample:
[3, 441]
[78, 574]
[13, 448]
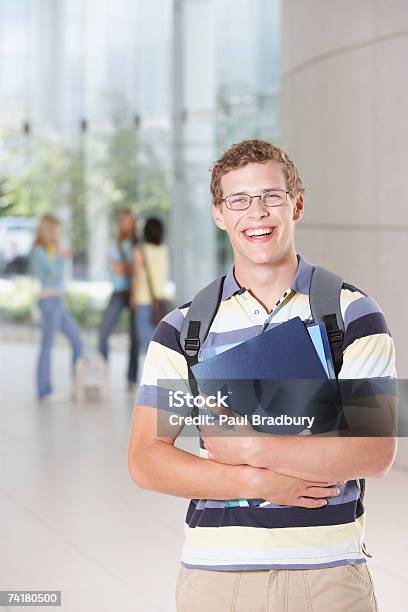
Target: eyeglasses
[270, 199]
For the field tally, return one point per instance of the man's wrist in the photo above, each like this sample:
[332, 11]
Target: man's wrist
[261, 451]
[250, 482]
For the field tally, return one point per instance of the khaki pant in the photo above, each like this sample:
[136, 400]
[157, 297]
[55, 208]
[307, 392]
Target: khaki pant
[347, 588]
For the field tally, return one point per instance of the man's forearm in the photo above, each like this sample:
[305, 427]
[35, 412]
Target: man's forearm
[167, 469]
[320, 458]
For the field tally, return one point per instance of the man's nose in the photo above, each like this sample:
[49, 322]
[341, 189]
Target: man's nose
[257, 208]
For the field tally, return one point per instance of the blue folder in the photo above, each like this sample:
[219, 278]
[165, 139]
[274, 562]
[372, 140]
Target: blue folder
[285, 351]
[277, 372]
[318, 334]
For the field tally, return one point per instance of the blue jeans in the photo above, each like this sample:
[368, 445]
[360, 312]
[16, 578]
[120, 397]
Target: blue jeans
[55, 317]
[144, 324]
[118, 301]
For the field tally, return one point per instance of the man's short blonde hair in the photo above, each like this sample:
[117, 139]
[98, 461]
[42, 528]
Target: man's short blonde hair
[249, 152]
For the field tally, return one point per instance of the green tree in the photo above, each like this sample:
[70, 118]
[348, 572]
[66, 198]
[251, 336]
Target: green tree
[5, 204]
[136, 170]
[45, 174]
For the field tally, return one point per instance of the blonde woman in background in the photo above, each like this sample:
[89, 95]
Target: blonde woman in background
[150, 261]
[47, 260]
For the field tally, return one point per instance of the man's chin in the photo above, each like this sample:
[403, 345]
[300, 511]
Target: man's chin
[258, 256]
[262, 258]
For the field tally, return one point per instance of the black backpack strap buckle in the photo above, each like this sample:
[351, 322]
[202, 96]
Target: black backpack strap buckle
[336, 337]
[192, 346]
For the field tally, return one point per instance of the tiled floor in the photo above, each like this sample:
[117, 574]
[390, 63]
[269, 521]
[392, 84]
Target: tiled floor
[72, 520]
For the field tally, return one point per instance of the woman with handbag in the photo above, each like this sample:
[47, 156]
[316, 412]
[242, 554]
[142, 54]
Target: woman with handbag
[150, 275]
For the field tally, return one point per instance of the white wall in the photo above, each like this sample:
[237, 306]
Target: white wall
[344, 104]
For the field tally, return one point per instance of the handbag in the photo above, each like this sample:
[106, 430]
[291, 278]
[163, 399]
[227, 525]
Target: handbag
[160, 307]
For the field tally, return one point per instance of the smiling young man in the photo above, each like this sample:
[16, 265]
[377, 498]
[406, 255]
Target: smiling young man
[302, 549]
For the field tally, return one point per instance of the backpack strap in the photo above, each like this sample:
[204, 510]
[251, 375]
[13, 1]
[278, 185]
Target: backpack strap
[197, 323]
[324, 296]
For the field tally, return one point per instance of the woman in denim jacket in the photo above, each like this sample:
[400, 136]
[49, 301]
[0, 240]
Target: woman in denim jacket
[47, 260]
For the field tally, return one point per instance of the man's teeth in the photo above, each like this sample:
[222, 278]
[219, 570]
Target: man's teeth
[264, 231]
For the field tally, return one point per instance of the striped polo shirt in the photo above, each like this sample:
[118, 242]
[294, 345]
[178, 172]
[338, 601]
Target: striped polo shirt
[261, 535]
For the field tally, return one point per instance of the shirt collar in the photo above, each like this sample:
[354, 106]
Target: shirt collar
[300, 283]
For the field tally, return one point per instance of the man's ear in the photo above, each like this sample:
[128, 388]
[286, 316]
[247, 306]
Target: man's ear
[218, 216]
[299, 208]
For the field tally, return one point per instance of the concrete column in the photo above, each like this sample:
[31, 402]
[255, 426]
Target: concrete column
[46, 57]
[344, 123]
[193, 81]
[95, 113]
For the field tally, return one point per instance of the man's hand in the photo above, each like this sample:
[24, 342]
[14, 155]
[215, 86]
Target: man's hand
[289, 491]
[230, 449]
[230, 444]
